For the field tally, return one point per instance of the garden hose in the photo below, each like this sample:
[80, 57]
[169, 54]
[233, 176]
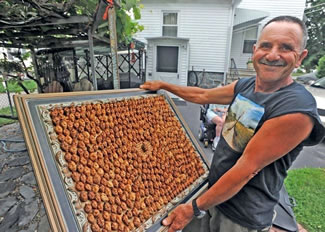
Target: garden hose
[5, 147]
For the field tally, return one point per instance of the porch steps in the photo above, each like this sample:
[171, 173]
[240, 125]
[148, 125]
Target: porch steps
[246, 72]
[242, 72]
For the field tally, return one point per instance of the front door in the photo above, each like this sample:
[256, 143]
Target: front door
[166, 65]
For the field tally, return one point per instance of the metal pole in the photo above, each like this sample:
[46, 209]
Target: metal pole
[107, 73]
[145, 66]
[87, 63]
[75, 65]
[54, 68]
[8, 94]
[92, 55]
[129, 62]
[113, 43]
[140, 63]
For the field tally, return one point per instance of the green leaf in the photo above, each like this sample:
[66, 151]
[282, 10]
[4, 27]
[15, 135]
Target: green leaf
[136, 12]
[129, 4]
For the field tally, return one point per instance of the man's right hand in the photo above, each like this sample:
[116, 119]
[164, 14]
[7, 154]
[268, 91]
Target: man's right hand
[151, 85]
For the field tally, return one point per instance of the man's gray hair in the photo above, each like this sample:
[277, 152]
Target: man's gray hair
[292, 19]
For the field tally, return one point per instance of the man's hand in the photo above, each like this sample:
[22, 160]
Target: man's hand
[152, 85]
[179, 218]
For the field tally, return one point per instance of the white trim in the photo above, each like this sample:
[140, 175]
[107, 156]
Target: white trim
[229, 36]
[162, 21]
[167, 38]
[243, 41]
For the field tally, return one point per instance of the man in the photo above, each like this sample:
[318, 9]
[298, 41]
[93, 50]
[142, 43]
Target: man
[270, 118]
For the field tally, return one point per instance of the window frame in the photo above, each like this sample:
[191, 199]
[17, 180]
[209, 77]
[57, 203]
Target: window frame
[244, 39]
[169, 25]
[250, 40]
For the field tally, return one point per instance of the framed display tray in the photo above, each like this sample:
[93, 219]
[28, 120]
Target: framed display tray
[136, 135]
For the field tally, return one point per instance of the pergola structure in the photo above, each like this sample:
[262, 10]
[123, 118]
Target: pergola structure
[55, 28]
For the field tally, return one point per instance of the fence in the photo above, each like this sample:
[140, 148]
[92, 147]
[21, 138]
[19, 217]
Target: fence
[7, 109]
[67, 66]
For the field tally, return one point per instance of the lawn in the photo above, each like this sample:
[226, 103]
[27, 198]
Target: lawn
[307, 186]
[15, 88]
[6, 111]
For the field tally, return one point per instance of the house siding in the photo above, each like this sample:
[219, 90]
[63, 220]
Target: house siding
[205, 23]
[274, 8]
[237, 50]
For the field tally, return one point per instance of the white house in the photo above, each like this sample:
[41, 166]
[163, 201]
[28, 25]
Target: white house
[205, 34]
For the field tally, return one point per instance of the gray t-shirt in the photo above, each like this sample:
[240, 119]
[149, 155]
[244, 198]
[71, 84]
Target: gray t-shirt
[253, 205]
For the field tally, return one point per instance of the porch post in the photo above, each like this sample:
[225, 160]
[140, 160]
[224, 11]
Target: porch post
[36, 70]
[113, 43]
[92, 55]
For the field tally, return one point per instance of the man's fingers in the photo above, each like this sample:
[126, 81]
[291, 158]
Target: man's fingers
[144, 86]
[168, 221]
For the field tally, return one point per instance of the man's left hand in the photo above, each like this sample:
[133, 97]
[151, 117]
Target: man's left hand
[179, 218]
[151, 85]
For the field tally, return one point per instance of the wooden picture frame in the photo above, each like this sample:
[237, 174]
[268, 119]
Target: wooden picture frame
[56, 201]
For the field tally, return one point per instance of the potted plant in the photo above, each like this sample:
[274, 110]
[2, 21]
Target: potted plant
[250, 64]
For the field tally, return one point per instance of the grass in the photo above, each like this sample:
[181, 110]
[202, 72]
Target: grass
[6, 111]
[307, 186]
[15, 88]
[297, 74]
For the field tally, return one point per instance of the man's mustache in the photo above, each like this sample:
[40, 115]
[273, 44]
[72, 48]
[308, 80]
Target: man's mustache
[272, 63]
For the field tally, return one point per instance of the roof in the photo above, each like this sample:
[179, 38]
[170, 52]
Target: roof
[248, 17]
[167, 38]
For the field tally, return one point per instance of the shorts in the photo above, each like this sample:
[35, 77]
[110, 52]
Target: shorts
[211, 114]
[215, 221]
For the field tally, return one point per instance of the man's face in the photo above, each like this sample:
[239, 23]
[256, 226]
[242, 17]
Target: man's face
[278, 51]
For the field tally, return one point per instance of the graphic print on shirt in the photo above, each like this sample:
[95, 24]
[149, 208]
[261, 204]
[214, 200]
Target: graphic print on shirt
[241, 122]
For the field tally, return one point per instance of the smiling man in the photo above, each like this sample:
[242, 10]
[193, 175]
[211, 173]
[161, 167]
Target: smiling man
[269, 120]
[278, 51]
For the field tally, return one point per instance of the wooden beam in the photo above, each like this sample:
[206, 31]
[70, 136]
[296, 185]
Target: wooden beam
[6, 45]
[101, 38]
[114, 48]
[33, 34]
[98, 17]
[92, 56]
[52, 21]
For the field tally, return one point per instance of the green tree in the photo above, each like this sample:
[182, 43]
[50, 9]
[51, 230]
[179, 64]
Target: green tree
[24, 12]
[126, 26]
[321, 67]
[315, 22]
[29, 11]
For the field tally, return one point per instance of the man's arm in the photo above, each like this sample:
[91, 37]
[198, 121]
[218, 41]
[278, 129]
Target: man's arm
[273, 140]
[220, 95]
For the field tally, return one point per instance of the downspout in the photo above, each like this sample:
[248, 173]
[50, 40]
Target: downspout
[234, 4]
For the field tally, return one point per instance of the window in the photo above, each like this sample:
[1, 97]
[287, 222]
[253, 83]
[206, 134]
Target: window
[248, 46]
[169, 27]
[167, 59]
[250, 37]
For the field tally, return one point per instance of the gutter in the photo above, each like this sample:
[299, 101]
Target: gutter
[234, 4]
